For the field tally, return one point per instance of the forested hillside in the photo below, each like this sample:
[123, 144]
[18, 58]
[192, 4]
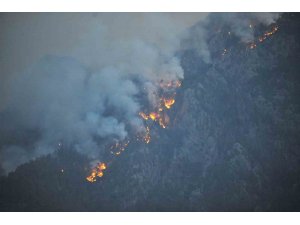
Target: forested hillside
[233, 143]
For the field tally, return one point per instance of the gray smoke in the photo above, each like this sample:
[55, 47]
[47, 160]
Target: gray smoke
[78, 88]
[75, 78]
[239, 24]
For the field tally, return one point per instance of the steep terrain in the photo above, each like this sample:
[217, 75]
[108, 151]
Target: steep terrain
[233, 143]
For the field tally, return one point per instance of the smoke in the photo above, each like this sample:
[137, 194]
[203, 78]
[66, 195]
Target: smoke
[239, 24]
[84, 74]
[242, 24]
[76, 78]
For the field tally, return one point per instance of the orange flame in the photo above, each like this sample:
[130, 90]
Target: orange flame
[154, 116]
[158, 115]
[169, 102]
[119, 147]
[263, 37]
[144, 115]
[97, 171]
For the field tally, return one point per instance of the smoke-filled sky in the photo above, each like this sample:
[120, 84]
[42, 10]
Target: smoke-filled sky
[77, 78]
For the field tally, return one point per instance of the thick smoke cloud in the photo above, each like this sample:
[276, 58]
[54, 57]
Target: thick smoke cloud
[83, 76]
[76, 78]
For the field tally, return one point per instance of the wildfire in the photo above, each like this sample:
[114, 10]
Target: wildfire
[156, 115]
[159, 115]
[267, 34]
[144, 115]
[169, 102]
[153, 116]
[97, 171]
[263, 37]
[164, 121]
[119, 147]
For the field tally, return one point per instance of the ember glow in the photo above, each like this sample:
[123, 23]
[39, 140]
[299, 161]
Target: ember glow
[165, 100]
[154, 116]
[157, 113]
[119, 147]
[164, 120]
[268, 34]
[144, 116]
[168, 102]
[262, 38]
[97, 171]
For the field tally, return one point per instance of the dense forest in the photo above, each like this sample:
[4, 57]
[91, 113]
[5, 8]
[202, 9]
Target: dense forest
[233, 143]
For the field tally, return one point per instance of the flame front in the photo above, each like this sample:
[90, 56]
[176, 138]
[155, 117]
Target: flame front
[119, 147]
[157, 115]
[144, 116]
[97, 171]
[154, 116]
[169, 102]
[259, 40]
[164, 100]
[262, 38]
